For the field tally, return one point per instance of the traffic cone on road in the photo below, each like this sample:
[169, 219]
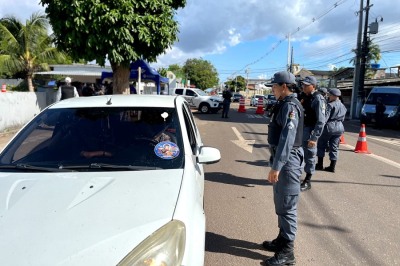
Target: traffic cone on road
[242, 108]
[362, 146]
[342, 141]
[260, 107]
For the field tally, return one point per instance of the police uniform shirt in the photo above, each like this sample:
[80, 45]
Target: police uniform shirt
[318, 104]
[335, 115]
[288, 119]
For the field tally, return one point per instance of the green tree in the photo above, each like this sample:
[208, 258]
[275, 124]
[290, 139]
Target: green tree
[238, 82]
[373, 55]
[201, 73]
[177, 70]
[25, 49]
[120, 31]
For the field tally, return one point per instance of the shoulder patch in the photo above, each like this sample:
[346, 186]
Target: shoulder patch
[292, 115]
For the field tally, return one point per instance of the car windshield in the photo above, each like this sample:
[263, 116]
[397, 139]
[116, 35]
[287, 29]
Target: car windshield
[97, 139]
[387, 98]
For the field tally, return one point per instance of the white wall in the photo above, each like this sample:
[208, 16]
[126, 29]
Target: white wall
[17, 108]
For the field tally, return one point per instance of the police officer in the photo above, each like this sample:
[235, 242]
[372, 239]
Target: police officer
[227, 95]
[335, 114]
[285, 140]
[66, 91]
[314, 120]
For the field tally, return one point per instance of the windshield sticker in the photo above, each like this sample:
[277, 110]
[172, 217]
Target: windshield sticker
[166, 150]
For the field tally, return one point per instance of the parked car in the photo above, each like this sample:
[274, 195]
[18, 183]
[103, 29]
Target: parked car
[270, 101]
[236, 97]
[200, 100]
[105, 180]
[254, 99]
[391, 99]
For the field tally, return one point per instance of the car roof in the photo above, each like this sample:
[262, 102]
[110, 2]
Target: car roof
[121, 100]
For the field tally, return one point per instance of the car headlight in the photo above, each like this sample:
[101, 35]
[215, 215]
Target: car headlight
[165, 247]
[214, 100]
[393, 113]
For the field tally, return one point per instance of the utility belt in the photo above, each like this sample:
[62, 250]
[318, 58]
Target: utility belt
[273, 149]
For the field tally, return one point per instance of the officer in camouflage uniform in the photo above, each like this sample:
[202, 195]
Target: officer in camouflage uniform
[335, 114]
[314, 120]
[285, 140]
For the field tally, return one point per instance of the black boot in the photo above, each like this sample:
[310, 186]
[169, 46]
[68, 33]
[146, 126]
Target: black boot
[274, 245]
[320, 164]
[331, 168]
[283, 257]
[306, 184]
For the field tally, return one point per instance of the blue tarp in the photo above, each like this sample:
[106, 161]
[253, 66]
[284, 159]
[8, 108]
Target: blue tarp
[147, 73]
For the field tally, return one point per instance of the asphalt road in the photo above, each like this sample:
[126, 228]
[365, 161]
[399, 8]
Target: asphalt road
[351, 217]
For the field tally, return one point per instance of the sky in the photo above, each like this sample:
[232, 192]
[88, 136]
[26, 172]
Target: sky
[252, 38]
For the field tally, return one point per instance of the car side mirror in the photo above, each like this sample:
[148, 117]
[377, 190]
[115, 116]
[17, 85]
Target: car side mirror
[208, 155]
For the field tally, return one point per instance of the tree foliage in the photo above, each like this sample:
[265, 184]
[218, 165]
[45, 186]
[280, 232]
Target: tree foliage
[201, 73]
[238, 83]
[120, 31]
[27, 48]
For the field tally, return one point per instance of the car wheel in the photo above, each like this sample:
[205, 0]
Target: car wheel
[204, 108]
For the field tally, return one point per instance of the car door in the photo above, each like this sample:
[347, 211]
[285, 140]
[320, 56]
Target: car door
[195, 141]
[189, 96]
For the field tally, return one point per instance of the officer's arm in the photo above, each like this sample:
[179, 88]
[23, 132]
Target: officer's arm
[288, 118]
[319, 108]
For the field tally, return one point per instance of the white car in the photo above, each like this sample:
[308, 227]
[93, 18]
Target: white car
[105, 180]
[254, 99]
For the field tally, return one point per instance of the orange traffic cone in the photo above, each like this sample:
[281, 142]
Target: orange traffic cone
[362, 146]
[342, 141]
[260, 107]
[242, 108]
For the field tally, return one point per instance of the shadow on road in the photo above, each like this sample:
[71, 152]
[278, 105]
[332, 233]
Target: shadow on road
[222, 244]
[225, 178]
[356, 183]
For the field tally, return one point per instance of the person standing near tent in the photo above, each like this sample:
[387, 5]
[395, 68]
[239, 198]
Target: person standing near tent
[66, 91]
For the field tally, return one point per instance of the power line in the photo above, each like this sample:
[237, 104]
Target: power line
[298, 29]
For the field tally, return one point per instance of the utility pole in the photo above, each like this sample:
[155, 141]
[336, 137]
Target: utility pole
[364, 52]
[354, 97]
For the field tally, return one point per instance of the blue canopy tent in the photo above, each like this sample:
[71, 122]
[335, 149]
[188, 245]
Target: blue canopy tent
[147, 74]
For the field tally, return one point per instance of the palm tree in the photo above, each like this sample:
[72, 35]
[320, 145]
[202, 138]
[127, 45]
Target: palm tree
[374, 54]
[25, 48]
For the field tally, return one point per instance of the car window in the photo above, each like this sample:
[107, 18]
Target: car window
[190, 93]
[190, 128]
[179, 91]
[387, 98]
[148, 137]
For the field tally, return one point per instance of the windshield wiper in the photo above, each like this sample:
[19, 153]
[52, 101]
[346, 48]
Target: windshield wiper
[109, 166]
[28, 167]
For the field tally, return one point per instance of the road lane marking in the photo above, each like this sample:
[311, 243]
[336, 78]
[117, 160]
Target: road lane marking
[389, 141]
[379, 158]
[241, 142]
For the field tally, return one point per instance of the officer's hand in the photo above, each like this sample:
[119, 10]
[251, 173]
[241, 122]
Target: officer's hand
[312, 144]
[273, 176]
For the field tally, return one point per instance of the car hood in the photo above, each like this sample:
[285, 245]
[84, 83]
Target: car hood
[82, 218]
[371, 108]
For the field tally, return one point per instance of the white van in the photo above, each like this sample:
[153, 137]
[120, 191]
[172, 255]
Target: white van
[391, 98]
[200, 100]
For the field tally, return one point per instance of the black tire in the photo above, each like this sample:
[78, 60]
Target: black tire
[204, 108]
